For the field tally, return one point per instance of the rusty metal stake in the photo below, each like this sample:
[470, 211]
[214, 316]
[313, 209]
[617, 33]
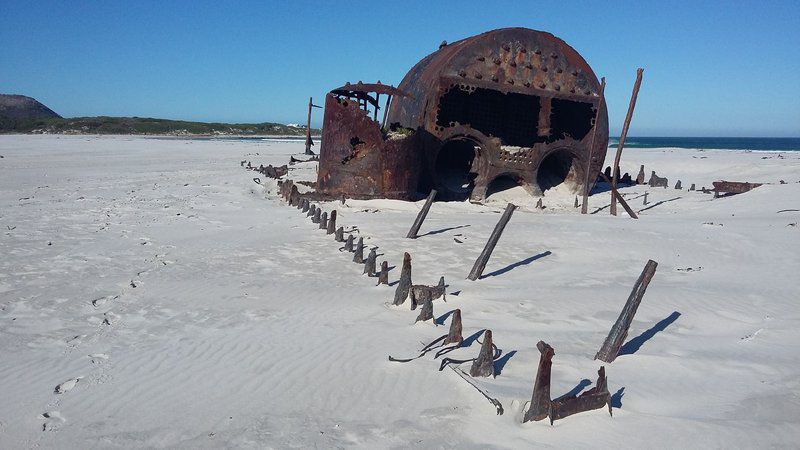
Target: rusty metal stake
[624, 134]
[480, 263]
[616, 337]
[349, 244]
[585, 205]
[317, 215]
[540, 401]
[306, 206]
[323, 221]
[483, 366]
[312, 209]
[412, 233]
[404, 285]
[358, 257]
[339, 236]
[383, 277]
[331, 223]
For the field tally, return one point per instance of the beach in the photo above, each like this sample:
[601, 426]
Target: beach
[153, 295]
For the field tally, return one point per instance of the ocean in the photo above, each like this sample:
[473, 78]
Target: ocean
[708, 143]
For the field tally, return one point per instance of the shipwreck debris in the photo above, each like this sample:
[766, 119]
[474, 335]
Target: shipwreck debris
[623, 135]
[480, 263]
[540, 401]
[616, 337]
[656, 181]
[404, 285]
[426, 312]
[421, 293]
[732, 187]
[383, 276]
[348, 246]
[358, 256]
[331, 228]
[412, 233]
[483, 365]
[369, 264]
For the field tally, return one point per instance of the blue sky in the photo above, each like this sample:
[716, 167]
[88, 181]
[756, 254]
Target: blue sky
[711, 69]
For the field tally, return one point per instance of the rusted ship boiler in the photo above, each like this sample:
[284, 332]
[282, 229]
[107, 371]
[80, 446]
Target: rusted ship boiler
[508, 107]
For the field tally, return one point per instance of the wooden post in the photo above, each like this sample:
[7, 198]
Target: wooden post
[483, 366]
[383, 277]
[585, 206]
[369, 265]
[309, 142]
[348, 245]
[401, 293]
[323, 221]
[616, 337]
[412, 233]
[624, 134]
[339, 236]
[331, 223]
[358, 257]
[540, 400]
[427, 310]
[454, 335]
[480, 263]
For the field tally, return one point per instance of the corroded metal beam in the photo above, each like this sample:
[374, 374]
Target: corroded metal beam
[412, 233]
[480, 263]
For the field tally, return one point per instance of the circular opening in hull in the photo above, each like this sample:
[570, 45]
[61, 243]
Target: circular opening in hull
[453, 164]
[558, 168]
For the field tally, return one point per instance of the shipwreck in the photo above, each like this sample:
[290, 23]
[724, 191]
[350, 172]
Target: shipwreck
[509, 107]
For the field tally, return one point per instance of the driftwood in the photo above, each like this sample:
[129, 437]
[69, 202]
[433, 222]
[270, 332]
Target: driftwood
[358, 257]
[616, 337]
[331, 223]
[540, 401]
[412, 233]
[426, 313]
[349, 244]
[383, 276]
[421, 293]
[480, 263]
[483, 366]
[404, 285]
[369, 265]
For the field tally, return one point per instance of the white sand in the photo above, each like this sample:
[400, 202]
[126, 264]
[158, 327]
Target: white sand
[152, 283]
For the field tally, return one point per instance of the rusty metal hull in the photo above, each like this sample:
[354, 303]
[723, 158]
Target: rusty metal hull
[508, 106]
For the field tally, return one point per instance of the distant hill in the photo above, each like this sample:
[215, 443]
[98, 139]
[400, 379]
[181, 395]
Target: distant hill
[20, 114]
[22, 107]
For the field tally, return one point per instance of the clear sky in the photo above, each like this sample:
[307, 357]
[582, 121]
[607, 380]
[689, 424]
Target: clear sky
[711, 69]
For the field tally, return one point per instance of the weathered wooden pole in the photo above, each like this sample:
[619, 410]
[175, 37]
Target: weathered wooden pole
[358, 257]
[480, 263]
[306, 206]
[404, 285]
[309, 142]
[339, 237]
[317, 215]
[369, 265]
[412, 233]
[586, 182]
[616, 337]
[540, 401]
[331, 223]
[383, 277]
[312, 209]
[454, 335]
[349, 244]
[483, 366]
[644, 200]
[624, 134]
[323, 221]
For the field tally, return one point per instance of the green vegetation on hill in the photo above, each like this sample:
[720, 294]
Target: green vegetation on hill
[139, 125]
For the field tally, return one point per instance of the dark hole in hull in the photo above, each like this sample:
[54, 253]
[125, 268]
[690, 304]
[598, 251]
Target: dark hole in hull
[556, 168]
[453, 165]
[570, 118]
[502, 183]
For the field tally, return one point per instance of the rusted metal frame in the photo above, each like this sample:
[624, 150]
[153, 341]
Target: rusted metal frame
[595, 398]
[309, 142]
[585, 204]
[615, 194]
[480, 263]
[386, 110]
[624, 134]
[515, 88]
[733, 187]
[616, 337]
[412, 233]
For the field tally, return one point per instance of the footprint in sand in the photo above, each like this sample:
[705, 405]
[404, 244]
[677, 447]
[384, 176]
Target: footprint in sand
[98, 358]
[52, 420]
[102, 300]
[110, 318]
[67, 385]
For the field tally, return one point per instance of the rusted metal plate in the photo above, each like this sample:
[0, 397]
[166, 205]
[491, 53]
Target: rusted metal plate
[733, 187]
[510, 104]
